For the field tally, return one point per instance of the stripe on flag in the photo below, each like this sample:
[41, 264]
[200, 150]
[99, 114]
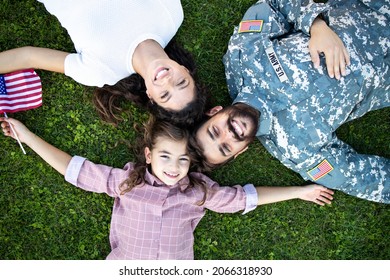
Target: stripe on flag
[320, 170]
[20, 91]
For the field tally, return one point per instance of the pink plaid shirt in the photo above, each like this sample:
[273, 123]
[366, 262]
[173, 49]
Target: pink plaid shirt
[156, 221]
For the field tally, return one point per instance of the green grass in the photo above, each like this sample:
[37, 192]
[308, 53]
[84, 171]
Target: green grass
[42, 217]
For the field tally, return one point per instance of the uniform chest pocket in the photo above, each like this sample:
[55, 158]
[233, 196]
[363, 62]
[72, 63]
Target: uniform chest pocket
[297, 124]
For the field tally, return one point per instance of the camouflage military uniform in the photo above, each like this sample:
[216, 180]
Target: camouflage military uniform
[268, 66]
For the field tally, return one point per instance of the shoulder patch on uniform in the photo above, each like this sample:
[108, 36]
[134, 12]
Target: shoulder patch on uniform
[250, 26]
[320, 170]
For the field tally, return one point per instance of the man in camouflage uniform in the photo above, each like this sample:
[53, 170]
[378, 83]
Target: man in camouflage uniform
[301, 104]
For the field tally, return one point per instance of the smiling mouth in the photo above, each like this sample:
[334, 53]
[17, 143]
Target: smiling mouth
[239, 131]
[171, 175]
[161, 73]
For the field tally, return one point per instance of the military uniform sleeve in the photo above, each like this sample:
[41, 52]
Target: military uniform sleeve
[338, 166]
[343, 169]
[289, 14]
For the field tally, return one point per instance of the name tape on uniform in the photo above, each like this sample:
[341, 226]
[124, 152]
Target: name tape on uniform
[274, 60]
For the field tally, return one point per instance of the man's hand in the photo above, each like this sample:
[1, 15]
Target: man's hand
[325, 40]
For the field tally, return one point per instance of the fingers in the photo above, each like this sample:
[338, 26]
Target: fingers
[319, 202]
[6, 128]
[343, 62]
[320, 194]
[4, 124]
[5, 121]
[325, 40]
[337, 61]
[315, 57]
[346, 56]
[8, 120]
[322, 201]
[346, 60]
[333, 63]
[12, 121]
[327, 191]
[330, 64]
[325, 196]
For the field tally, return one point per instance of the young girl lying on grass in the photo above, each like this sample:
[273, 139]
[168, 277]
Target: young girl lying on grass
[158, 203]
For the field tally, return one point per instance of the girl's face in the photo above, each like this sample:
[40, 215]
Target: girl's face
[169, 160]
[169, 84]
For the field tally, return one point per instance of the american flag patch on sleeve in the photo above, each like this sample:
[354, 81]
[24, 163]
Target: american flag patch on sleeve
[320, 170]
[250, 26]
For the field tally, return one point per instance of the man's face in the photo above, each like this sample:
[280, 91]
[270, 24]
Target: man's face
[227, 133]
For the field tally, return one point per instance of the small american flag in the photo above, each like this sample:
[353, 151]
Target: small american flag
[250, 26]
[20, 91]
[320, 170]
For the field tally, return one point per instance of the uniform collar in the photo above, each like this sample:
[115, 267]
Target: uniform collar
[264, 125]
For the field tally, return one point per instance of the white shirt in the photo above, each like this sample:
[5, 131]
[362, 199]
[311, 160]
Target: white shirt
[106, 32]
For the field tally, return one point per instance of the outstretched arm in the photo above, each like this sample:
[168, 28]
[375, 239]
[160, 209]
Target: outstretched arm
[314, 193]
[325, 40]
[58, 159]
[32, 57]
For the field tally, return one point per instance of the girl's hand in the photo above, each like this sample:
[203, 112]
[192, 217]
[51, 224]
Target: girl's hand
[325, 40]
[317, 194]
[21, 130]
[58, 159]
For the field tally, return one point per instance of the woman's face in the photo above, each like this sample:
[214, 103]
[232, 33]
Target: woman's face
[169, 84]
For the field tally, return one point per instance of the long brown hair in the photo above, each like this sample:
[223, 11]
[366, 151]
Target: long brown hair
[153, 129]
[108, 100]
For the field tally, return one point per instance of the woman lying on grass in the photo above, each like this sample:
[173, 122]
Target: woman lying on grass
[120, 49]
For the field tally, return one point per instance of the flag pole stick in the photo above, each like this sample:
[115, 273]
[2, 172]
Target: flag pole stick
[14, 132]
